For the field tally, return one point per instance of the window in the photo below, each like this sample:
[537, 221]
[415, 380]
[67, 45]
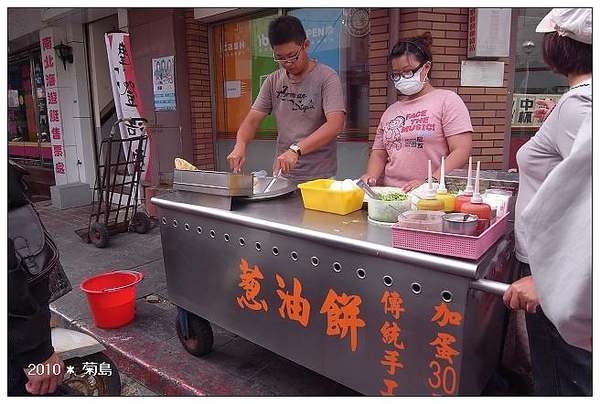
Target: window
[243, 58]
[28, 128]
[533, 78]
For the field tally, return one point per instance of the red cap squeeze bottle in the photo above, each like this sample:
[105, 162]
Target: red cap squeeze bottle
[465, 196]
[477, 207]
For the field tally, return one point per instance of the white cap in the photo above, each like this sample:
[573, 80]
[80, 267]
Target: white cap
[429, 192]
[442, 187]
[469, 188]
[575, 23]
[476, 198]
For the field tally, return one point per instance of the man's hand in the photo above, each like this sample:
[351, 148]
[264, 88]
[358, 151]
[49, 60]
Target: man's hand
[237, 158]
[47, 380]
[521, 295]
[285, 161]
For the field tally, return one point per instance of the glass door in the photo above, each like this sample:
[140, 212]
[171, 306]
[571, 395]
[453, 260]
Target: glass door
[533, 79]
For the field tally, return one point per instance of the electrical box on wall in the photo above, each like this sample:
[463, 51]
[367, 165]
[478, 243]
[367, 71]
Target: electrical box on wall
[489, 32]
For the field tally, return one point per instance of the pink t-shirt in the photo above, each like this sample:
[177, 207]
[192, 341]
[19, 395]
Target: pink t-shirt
[414, 131]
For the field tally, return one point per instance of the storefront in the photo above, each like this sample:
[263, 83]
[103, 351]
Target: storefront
[356, 43]
[28, 129]
[27, 112]
[242, 58]
[52, 68]
[350, 40]
[220, 57]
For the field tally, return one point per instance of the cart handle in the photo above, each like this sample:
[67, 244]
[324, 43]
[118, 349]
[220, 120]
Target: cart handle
[493, 287]
[139, 276]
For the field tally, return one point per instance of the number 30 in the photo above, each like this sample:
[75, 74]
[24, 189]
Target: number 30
[445, 379]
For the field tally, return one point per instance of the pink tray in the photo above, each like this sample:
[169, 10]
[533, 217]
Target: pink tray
[456, 245]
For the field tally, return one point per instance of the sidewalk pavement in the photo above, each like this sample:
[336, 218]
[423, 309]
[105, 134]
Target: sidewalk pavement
[148, 349]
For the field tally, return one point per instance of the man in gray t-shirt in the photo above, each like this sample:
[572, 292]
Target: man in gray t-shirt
[306, 100]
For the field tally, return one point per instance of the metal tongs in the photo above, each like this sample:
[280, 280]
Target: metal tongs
[368, 190]
[373, 195]
[270, 184]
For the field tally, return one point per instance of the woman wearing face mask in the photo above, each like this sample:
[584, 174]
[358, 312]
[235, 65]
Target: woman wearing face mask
[425, 124]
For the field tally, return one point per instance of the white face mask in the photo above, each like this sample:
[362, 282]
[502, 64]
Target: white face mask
[410, 86]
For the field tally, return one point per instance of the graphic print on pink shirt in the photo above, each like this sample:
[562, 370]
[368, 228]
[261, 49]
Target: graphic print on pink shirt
[395, 131]
[415, 131]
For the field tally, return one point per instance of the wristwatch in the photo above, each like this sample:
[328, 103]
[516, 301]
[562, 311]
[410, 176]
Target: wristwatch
[296, 149]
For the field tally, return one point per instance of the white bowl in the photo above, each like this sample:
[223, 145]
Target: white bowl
[383, 211]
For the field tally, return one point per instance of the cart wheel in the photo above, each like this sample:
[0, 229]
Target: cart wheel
[200, 335]
[141, 222]
[99, 235]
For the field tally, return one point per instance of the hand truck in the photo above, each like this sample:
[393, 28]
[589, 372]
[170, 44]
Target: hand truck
[118, 173]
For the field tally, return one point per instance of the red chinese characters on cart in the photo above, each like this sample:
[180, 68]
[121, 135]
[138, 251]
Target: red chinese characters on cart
[342, 311]
[443, 377]
[391, 337]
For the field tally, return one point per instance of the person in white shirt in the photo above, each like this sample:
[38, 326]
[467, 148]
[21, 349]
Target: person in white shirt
[559, 367]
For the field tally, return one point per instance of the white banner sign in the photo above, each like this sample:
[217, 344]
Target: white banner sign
[128, 102]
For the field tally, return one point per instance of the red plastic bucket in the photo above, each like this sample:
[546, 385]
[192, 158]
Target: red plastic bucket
[111, 297]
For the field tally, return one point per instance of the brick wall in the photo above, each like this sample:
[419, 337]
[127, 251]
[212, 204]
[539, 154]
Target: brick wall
[449, 28]
[379, 48]
[200, 92]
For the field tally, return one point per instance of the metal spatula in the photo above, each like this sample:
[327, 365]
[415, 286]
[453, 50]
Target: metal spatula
[270, 184]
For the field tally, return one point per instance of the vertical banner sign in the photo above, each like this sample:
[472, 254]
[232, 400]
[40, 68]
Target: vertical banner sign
[125, 92]
[163, 78]
[262, 65]
[323, 27]
[52, 99]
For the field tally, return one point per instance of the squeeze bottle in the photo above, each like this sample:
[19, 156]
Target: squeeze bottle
[443, 195]
[429, 200]
[465, 196]
[477, 207]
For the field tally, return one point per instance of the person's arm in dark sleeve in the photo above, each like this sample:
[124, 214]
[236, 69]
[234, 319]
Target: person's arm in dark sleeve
[29, 337]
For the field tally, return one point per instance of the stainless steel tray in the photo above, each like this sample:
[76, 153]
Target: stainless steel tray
[213, 182]
[280, 187]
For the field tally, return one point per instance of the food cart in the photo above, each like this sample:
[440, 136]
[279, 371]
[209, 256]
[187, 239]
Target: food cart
[331, 293]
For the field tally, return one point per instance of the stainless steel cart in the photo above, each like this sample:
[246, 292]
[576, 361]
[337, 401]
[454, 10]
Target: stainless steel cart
[329, 292]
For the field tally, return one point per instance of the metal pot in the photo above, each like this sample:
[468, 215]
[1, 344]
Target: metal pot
[460, 223]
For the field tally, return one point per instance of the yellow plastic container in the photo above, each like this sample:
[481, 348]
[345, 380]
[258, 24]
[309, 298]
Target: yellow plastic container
[316, 195]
